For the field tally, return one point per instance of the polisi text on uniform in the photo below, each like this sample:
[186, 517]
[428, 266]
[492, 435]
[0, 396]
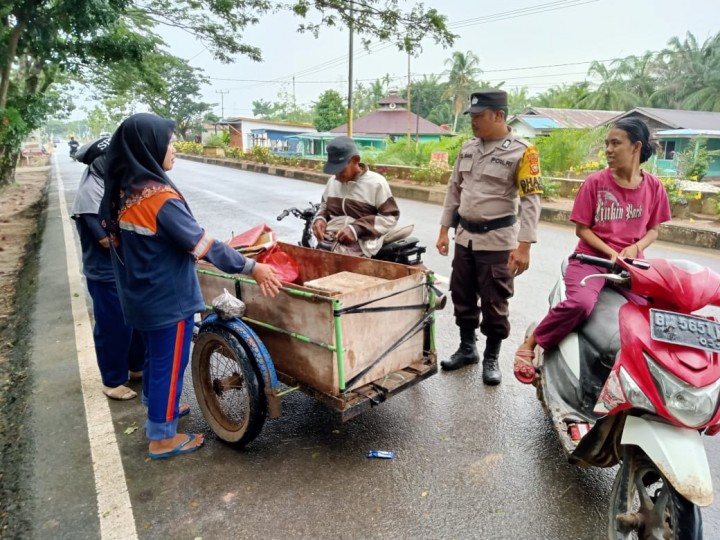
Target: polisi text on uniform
[501, 161]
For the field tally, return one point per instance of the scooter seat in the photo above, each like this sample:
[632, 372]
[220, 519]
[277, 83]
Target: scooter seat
[602, 327]
[398, 234]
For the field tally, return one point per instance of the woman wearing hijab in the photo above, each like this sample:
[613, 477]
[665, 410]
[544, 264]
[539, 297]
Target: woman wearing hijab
[157, 241]
[120, 352]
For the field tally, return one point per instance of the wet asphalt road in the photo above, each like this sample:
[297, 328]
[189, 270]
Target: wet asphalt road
[471, 461]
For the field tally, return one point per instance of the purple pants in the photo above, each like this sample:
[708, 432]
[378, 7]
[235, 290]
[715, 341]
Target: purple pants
[563, 318]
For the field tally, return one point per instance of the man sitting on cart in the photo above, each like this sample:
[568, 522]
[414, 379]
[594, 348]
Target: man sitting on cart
[357, 209]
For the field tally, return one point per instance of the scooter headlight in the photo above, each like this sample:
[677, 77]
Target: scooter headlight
[691, 406]
[635, 396]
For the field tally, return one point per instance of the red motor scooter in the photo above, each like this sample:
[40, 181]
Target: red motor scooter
[638, 384]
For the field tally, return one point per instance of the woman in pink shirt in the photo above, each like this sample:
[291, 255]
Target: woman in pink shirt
[616, 213]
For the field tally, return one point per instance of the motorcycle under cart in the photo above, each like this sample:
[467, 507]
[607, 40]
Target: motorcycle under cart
[399, 247]
[637, 384]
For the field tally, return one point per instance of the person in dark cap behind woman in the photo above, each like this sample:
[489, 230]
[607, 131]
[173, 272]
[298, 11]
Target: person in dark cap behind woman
[156, 242]
[616, 212]
[495, 174]
[358, 209]
[119, 350]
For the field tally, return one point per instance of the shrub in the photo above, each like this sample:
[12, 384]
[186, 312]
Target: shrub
[569, 149]
[431, 174]
[694, 161]
[262, 154]
[551, 189]
[215, 141]
[674, 191]
[188, 147]
[234, 152]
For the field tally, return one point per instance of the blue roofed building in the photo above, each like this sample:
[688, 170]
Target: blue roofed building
[537, 121]
[280, 137]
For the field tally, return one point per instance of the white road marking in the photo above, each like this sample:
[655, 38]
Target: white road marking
[216, 195]
[113, 500]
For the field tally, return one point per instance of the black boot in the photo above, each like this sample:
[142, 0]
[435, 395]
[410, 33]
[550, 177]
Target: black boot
[491, 368]
[466, 354]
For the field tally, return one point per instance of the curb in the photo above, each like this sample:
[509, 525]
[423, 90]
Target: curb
[687, 236]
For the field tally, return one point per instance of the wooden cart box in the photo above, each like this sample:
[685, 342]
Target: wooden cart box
[366, 336]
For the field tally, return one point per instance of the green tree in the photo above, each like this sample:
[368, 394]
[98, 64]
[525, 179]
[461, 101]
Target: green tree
[612, 93]
[518, 100]
[262, 108]
[330, 111]
[704, 95]
[428, 99]
[565, 96]
[639, 74]
[107, 115]
[464, 67]
[178, 95]
[43, 43]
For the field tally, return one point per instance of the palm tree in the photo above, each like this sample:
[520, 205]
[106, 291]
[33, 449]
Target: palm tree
[707, 96]
[518, 100]
[566, 96]
[464, 67]
[683, 69]
[639, 74]
[611, 94]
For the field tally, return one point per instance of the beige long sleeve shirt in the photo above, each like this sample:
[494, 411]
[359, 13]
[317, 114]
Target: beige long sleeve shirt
[493, 179]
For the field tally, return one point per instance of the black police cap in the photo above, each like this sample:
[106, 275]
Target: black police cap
[491, 98]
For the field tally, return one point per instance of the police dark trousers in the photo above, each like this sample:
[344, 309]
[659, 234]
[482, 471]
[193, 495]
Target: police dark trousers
[482, 275]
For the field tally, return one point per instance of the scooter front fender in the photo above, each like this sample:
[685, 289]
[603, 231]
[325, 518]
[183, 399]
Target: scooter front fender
[679, 454]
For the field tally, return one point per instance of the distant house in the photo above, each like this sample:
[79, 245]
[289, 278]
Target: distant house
[675, 130]
[535, 121]
[245, 133]
[314, 144]
[392, 120]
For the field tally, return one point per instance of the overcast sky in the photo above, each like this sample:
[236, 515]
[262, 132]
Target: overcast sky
[521, 42]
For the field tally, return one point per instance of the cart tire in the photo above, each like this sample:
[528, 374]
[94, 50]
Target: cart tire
[227, 387]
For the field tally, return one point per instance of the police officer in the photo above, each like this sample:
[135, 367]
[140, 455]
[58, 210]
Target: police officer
[495, 174]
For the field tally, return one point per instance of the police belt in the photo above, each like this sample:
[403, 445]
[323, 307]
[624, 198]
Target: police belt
[489, 225]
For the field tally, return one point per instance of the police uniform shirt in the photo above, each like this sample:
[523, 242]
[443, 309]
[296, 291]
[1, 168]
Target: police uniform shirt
[493, 179]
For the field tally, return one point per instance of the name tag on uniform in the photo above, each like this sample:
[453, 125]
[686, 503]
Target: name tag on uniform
[504, 162]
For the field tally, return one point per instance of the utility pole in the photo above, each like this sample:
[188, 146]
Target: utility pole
[222, 101]
[350, 77]
[294, 102]
[409, 115]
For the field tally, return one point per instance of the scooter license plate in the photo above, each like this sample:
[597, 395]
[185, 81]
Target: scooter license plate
[687, 330]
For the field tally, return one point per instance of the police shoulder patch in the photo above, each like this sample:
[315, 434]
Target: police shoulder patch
[528, 174]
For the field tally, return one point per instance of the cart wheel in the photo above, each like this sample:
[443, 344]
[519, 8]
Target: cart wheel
[227, 387]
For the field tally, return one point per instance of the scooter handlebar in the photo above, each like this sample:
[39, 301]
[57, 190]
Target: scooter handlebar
[283, 215]
[597, 261]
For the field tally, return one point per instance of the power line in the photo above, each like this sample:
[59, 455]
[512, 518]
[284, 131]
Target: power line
[379, 46]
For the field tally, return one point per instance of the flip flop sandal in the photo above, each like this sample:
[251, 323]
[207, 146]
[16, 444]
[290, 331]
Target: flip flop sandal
[184, 410]
[179, 449]
[524, 369]
[120, 393]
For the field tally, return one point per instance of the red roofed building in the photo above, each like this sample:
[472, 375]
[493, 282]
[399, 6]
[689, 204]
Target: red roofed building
[392, 119]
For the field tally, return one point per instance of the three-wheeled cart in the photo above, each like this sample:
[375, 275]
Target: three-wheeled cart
[351, 334]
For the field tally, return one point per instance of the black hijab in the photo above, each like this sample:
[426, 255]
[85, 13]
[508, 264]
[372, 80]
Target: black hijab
[134, 162]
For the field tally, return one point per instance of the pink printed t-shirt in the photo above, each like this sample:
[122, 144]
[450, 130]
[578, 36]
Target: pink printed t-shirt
[619, 216]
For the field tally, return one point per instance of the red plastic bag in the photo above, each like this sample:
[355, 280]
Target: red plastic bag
[284, 266]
